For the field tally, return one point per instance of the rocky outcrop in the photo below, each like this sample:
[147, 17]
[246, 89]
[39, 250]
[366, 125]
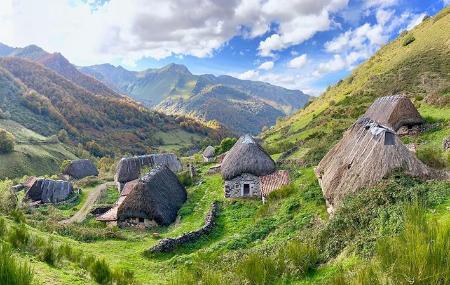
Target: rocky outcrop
[80, 168]
[49, 191]
[169, 244]
[129, 168]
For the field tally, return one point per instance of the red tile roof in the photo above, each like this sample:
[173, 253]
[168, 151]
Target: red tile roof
[273, 181]
[111, 215]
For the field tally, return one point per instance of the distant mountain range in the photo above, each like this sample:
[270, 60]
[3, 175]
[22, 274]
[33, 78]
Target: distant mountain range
[46, 93]
[240, 105]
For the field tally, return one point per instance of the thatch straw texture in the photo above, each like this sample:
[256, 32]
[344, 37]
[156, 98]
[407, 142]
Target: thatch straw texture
[157, 196]
[49, 191]
[129, 168]
[80, 168]
[209, 152]
[394, 112]
[367, 153]
[246, 156]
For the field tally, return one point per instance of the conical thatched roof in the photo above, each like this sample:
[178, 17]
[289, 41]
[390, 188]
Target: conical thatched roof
[394, 112]
[367, 153]
[157, 196]
[209, 152]
[49, 191]
[246, 156]
[80, 168]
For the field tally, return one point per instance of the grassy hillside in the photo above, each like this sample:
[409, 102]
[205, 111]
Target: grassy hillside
[46, 102]
[420, 70]
[33, 154]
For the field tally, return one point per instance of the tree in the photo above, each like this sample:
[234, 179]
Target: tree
[63, 136]
[7, 142]
[226, 144]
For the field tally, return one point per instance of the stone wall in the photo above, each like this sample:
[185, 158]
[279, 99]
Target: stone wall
[169, 244]
[234, 187]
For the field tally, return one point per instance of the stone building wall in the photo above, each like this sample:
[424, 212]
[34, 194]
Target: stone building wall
[234, 187]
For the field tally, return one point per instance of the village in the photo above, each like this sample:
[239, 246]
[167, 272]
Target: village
[151, 194]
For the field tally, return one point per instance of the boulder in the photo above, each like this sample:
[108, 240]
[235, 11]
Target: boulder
[80, 168]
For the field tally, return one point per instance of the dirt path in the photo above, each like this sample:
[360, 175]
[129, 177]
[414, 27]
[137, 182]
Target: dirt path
[88, 204]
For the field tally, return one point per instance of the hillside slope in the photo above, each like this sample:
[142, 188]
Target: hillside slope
[420, 70]
[46, 102]
[172, 88]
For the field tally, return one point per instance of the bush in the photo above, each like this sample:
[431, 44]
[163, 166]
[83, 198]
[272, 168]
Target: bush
[408, 39]
[258, 269]
[299, 258]
[225, 145]
[7, 142]
[64, 165]
[431, 156]
[8, 200]
[185, 178]
[123, 277]
[101, 272]
[19, 236]
[49, 255]
[11, 271]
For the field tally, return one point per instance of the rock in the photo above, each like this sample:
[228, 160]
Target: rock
[446, 144]
[80, 168]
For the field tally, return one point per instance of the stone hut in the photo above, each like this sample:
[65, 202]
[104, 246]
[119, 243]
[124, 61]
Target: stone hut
[395, 112]
[154, 200]
[244, 168]
[367, 152]
[209, 154]
[80, 168]
[129, 168]
[49, 191]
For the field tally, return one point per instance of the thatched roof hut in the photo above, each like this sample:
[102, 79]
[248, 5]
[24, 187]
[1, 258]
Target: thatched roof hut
[49, 191]
[209, 152]
[394, 112]
[129, 168]
[157, 196]
[80, 168]
[366, 153]
[246, 156]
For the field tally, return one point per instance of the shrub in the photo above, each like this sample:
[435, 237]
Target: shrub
[11, 271]
[432, 156]
[3, 227]
[49, 255]
[225, 145]
[258, 269]
[299, 258]
[408, 39]
[101, 272]
[7, 142]
[123, 277]
[19, 236]
[185, 178]
[63, 136]
[8, 200]
[64, 165]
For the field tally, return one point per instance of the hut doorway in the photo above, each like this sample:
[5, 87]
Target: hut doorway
[246, 189]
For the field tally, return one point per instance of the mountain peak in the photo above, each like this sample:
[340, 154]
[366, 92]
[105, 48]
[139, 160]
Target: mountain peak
[174, 67]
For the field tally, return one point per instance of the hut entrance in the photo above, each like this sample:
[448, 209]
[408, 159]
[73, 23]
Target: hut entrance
[246, 189]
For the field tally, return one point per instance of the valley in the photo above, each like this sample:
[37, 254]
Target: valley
[116, 177]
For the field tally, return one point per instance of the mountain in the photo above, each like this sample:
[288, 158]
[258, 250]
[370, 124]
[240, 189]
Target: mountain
[415, 64]
[58, 63]
[237, 110]
[46, 102]
[172, 88]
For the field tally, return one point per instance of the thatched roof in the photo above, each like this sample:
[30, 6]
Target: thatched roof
[246, 156]
[129, 168]
[394, 112]
[209, 152]
[49, 191]
[157, 196]
[366, 153]
[80, 168]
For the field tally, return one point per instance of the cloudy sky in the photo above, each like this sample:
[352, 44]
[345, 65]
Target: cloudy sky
[299, 44]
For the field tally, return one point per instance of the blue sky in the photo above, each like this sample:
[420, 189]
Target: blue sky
[298, 44]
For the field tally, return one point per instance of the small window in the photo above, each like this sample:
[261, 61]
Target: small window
[389, 138]
[141, 220]
[246, 189]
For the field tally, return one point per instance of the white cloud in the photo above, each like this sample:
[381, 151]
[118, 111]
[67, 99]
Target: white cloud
[380, 3]
[129, 30]
[416, 20]
[298, 62]
[268, 65]
[248, 75]
[446, 2]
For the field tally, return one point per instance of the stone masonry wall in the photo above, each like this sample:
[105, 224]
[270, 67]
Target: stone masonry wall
[233, 188]
[169, 244]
